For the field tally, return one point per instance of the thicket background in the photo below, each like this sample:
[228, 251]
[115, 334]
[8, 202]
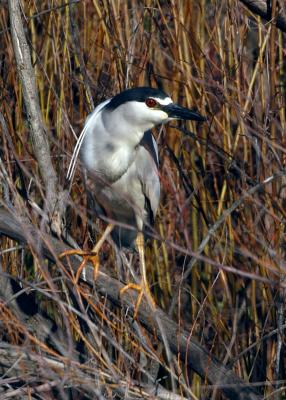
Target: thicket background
[218, 263]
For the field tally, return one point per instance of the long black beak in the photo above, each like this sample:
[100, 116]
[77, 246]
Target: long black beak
[179, 112]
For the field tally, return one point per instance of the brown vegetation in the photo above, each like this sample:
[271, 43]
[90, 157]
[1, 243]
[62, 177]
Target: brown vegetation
[217, 264]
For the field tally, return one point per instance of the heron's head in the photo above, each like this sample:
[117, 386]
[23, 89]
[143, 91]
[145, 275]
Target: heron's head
[146, 107]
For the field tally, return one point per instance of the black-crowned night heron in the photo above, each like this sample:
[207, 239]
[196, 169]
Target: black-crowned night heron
[120, 155]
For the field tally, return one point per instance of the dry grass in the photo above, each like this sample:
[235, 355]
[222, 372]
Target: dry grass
[230, 65]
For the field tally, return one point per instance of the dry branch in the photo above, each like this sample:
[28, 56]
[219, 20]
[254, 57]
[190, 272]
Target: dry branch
[54, 196]
[194, 355]
[55, 371]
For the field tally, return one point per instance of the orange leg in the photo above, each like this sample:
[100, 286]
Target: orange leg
[89, 256]
[143, 288]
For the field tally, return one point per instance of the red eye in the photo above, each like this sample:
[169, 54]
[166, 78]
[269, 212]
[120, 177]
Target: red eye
[151, 103]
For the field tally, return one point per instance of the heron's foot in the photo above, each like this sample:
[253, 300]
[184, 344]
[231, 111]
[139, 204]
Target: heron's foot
[91, 256]
[87, 257]
[141, 289]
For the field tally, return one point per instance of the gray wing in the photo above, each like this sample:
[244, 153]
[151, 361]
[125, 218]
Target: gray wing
[147, 165]
[148, 141]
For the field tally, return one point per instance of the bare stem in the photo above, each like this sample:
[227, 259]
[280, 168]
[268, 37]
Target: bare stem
[38, 131]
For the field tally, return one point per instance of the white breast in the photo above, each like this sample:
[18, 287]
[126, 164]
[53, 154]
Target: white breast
[104, 154]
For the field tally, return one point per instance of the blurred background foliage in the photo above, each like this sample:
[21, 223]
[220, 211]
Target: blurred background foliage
[225, 61]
